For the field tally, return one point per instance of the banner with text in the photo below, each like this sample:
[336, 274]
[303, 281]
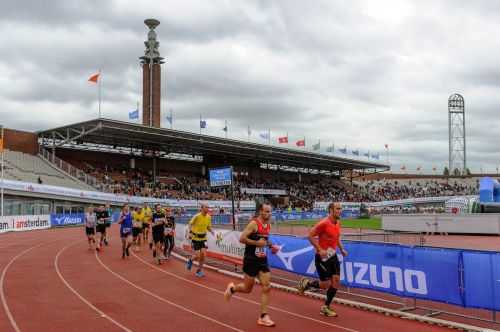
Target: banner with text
[24, 223]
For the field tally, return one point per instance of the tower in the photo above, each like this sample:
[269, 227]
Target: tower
[151, 63]
[456, 132]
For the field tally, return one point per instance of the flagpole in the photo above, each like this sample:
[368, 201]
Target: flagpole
[2, 171]
[226, 128]
[99, 93]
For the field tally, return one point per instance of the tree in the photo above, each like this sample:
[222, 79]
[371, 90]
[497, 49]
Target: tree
[467, 172]
[446, 171]
[456, 172]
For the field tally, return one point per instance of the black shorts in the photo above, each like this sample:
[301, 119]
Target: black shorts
[328, 268]
[101, 228]
[157, 235]
[198, 245]
[252, 266]
[89, 231]
[108, 224]
[136, 231]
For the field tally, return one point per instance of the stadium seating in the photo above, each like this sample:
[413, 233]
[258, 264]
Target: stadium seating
[28, 168]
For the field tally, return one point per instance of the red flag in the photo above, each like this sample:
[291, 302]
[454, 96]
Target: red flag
[302, 142]
[386, 146]
[283, 140]
[94, 78]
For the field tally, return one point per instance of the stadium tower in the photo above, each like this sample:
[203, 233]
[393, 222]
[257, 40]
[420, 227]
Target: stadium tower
[456, 132]
[151, 63]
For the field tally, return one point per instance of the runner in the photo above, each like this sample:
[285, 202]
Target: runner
[169, 233]
[90, 221]
[125, 222]
[157, 231]
[326, 260]
[146, 210]
[255, 236]
[137, 219]
[101, 216]
[107, 236]
[198, 227]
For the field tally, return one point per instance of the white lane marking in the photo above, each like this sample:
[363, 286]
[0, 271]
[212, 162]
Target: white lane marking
[101, 313]
[165, 300]
[2, 293]
[244, 299]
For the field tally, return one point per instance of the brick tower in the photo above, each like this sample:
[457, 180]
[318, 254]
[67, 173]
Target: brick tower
[151, 63]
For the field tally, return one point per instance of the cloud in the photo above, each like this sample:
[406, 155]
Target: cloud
[358, 75]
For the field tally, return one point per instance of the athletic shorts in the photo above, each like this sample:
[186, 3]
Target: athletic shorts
[327, 269]
[101, 228]
[252, 266]
[136, 231]
[89, 231]
[198, 245]
[158, 235]
[108, 224]
[125, 232]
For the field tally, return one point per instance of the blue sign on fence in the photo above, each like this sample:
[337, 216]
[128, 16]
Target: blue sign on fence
[220, 176]
[67, 219]
[482, 279]
[405, 271]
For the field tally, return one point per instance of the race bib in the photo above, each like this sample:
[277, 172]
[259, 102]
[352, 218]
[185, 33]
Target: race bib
[329, 254]
[126, 230]
[137, 224]
[168, 230]
[260, 252]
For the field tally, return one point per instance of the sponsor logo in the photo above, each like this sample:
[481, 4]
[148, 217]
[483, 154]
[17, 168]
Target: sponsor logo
[34, 223]
[4, 226]
[65, 220]
[229, 245]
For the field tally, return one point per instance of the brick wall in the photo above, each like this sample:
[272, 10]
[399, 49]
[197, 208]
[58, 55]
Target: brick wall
[22, 141]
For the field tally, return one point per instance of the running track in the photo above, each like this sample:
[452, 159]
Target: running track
[50, 281]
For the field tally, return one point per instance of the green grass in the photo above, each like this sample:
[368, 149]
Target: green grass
[368, 223]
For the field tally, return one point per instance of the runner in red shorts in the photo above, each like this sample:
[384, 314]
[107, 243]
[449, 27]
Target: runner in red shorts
[327, 263]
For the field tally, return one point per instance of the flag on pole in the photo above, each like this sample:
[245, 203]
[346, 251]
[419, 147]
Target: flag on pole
[283, 139]
[376, 156]
[170, 117]
[301, 142]
[225, 127]
[386, 146]
[203, 124]
[344, 150]
[317, 146]
[133, 115]
[249, 131]
[355, 152]
[94, 78]
[367, 155]
[264, 135]
[331, 149]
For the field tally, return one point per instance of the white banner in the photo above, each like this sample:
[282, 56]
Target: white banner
[224, 245]
[24, 223]
[258, 191]
[113, 198]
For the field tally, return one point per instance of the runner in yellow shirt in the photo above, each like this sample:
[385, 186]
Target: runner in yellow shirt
[148, 215]
[200, 224]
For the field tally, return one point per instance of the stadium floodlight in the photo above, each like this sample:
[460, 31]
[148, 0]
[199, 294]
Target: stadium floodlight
[456, 134]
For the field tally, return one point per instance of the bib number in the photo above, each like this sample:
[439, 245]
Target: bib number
[126, 230]
[260, 252]
[168, 230]
[329, 254]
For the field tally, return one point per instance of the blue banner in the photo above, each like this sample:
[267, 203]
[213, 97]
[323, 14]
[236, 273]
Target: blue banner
[67, 219]
[220, 176]
[426, 273]
[482, 279]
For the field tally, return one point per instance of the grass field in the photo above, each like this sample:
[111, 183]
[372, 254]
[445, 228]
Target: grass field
[370, 223]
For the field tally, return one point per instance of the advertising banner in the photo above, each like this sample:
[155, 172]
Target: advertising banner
[24, 223]
[67, 219]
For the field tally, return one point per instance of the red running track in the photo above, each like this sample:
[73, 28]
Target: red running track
[50, 281]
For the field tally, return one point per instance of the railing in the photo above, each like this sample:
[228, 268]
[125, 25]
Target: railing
[69, 169]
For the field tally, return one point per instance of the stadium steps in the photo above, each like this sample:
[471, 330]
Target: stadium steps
[28, 168]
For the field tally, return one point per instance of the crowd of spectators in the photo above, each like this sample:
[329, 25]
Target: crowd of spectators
[301, 193]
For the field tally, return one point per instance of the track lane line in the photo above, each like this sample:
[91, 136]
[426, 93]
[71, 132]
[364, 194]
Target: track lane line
[12, 321]
[84, 300]
[244, 299]
[165, 300]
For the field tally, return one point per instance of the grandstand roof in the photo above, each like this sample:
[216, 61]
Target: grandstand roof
[111, 135]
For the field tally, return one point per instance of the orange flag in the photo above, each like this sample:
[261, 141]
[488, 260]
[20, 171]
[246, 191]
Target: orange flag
[94, 78]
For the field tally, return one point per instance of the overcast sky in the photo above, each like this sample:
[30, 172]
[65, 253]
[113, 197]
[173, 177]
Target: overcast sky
[359, 74]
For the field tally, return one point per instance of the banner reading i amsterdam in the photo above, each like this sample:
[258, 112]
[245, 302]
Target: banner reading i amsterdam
[24, 223]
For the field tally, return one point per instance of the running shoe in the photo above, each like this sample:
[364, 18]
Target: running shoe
[162, 256]
[200, 274]
[229, 291]
[303, 285]
[97, 249]
[326, 311]
[158, 260]
[154, 253]
[123, 254]
[189, 264]
[265, 321]
[106, 242]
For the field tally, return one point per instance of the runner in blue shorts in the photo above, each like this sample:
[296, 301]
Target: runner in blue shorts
[125, 222]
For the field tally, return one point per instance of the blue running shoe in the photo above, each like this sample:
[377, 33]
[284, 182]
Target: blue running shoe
[189, 265]
[200, 274]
